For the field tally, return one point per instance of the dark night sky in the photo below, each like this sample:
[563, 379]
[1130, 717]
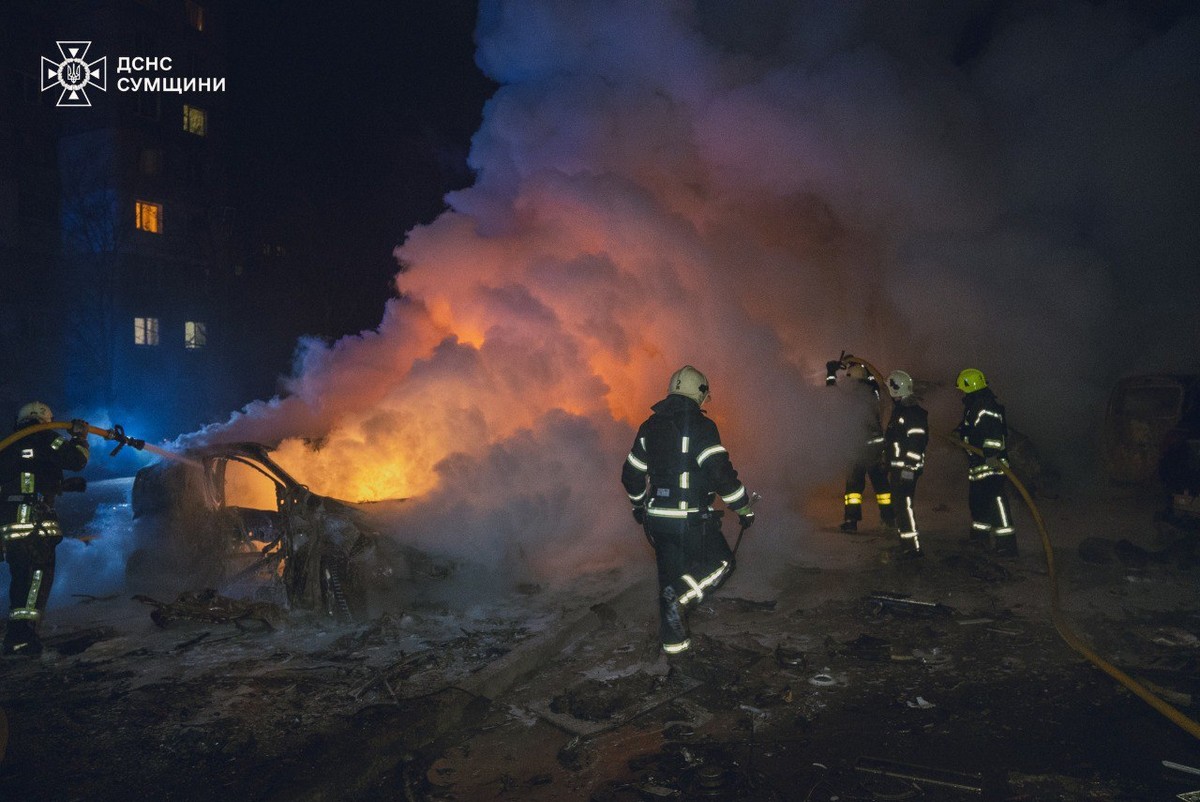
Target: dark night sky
[351, 122]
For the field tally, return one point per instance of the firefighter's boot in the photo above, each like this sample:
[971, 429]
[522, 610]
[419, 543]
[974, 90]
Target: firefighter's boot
[979, 539]
[849, 526]
[672, 627]
[910, 548]
[1006, 546]
[21, 639]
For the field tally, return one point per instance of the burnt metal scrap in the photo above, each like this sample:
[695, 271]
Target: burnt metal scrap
[211, 607]
[922, 775]
[905, 605]
[324, 552]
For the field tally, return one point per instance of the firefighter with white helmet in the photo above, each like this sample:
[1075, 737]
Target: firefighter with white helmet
[906, 437]
[985, 426]
[31, 476]
[869, 455]
[673, 474]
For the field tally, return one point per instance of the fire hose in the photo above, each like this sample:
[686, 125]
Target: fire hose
[117, 433]
[1060, 622]
[1056, 614]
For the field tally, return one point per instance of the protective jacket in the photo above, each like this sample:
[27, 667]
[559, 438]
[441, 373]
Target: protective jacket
[678, 450]
[985, 427]
[867, 393]
[907, 436]
[31, 472]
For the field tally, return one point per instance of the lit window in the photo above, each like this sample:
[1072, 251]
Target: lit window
[195, 335]
[145, 331]
[195, 14]
[195, 121]
[148, 216]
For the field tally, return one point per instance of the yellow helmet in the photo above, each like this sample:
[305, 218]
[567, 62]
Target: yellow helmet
[971, 380]
[687, 381]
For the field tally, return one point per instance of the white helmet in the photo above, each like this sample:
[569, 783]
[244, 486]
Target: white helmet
[687, 381]
[33, 412]
[899, 384]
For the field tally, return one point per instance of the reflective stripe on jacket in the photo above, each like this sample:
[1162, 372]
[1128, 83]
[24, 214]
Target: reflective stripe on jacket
[677, 465]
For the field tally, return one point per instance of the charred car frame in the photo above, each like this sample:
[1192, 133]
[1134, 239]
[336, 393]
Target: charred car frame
[310, 551]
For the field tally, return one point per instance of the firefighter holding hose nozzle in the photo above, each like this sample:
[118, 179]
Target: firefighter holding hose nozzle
[869, 459]
[31, 476]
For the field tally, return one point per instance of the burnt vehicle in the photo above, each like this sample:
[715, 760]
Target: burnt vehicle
[1147, 424]
[228, 517]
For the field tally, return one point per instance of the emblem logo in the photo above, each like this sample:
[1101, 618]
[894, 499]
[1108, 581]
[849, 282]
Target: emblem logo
[74, 74]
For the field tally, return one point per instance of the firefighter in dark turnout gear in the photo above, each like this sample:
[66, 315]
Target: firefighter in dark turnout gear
[869, 454]
[985, 427]
[31, 475]
[673, 473]
[907, 436]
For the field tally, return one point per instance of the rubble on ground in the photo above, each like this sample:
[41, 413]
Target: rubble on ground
[941, 680]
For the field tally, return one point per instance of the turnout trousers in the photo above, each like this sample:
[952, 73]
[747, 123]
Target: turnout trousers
[31, 563]
[693, 559]
[991, 517]
[856, 483]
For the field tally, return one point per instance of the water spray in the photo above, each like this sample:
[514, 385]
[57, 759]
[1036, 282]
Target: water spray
[116, 433]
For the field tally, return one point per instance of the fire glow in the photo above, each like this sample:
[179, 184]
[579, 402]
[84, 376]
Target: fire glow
[656, 186]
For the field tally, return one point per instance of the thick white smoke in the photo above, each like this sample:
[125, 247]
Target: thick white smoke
[752, 188]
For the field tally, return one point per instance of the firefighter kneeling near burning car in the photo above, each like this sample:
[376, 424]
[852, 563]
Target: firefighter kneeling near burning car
[31, 475]
[673, 473]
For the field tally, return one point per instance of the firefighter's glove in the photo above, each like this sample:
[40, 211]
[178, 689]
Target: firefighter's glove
[745, 516]
[79, 429]
[995, 463]
[639, 515]
[908, 475]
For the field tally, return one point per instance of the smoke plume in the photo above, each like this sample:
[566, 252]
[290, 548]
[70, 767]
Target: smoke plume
[752, 188]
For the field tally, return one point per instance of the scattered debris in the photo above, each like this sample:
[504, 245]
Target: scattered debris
[748, 605]
[79, 641]
[1180, 767]
[208, 605]
[899, 603]
[867, 647]
[788, 657]
[971, 783]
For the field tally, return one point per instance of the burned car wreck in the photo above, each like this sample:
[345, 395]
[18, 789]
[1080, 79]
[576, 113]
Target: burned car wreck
[228, 517]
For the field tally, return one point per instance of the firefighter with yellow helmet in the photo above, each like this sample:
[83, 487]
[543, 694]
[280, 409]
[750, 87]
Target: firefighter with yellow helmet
[985, 427]
[31, 476]
[672, 475]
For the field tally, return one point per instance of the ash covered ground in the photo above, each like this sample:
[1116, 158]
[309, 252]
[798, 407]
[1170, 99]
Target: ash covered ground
[859, 678]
